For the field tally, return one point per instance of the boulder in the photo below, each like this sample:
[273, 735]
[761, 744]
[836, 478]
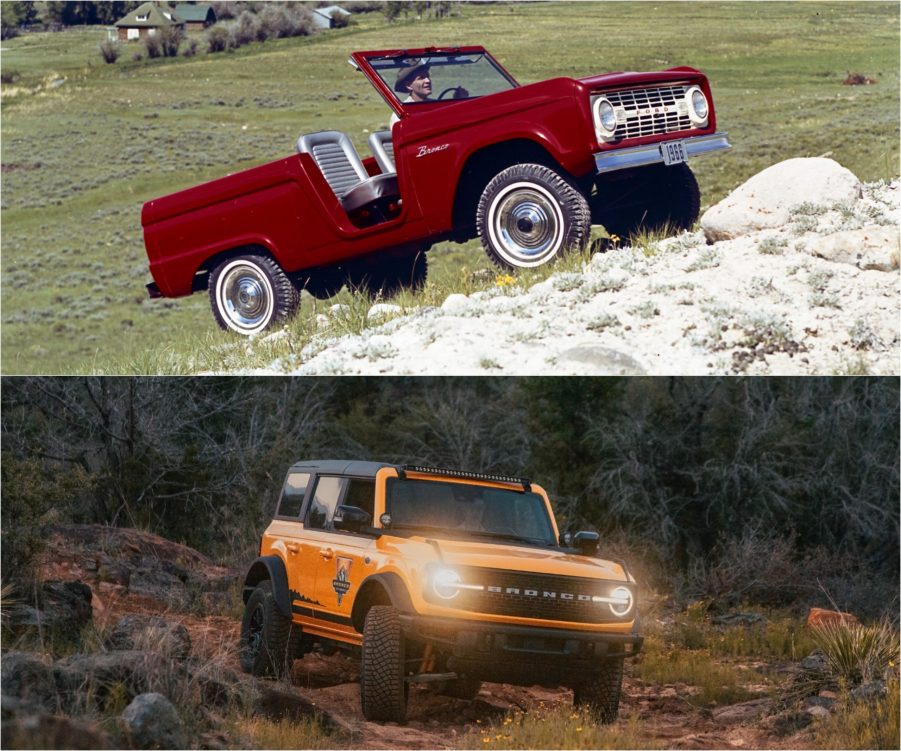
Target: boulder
[124, 673]
[152, 722]
[150, 632]
[42, 730]
[820, 618]
[768, 199]
[747, 711]
[870, 248]
[24, 676]
[603, 360]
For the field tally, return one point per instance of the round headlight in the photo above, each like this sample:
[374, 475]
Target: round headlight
[624, 601]
[697, 105]
[444, 582]
[605, 116]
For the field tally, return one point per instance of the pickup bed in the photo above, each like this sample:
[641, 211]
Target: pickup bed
[527, 169]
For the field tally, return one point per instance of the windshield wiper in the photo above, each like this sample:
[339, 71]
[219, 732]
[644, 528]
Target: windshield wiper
[507, 536]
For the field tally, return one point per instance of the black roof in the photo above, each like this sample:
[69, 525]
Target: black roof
[342, 467]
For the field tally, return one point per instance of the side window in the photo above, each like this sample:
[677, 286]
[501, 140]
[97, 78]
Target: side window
[293, 493]
[361, 493]
[325, 500]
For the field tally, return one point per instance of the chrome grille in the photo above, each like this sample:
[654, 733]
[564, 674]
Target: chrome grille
[537, 605]
[650, 112]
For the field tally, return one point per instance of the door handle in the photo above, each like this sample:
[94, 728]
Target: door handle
[293, 547]
[328, 553]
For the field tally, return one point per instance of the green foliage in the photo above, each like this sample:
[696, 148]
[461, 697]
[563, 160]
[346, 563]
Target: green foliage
[857, 653]
[716, 681]
[285, 733]
[555, 727]
[863, 724]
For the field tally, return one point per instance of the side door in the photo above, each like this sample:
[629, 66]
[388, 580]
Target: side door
[344, 557]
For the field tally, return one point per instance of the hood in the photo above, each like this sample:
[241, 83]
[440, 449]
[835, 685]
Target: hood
[527, 559]
[626, 80]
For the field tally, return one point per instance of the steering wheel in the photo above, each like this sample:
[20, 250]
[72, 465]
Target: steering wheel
[448, 91]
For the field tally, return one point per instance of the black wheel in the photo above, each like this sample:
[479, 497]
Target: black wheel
[601, 693]
[463, 687]
[250, 293]
[323, 285]
[383, 690]
[651, 199]
[391, 276]
[528, 215]
[269, 640]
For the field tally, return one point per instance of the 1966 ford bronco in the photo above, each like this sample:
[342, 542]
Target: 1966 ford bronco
[527, 169]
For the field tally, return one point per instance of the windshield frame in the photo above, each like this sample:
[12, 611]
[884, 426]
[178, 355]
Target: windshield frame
[405, 529]
[361, 61]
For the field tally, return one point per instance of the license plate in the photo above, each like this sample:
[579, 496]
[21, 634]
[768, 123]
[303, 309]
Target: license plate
[673, 152]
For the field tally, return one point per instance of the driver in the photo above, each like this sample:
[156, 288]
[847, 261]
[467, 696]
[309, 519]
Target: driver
[415, 80]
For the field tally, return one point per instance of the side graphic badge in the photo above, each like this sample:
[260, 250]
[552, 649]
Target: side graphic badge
[341, 582]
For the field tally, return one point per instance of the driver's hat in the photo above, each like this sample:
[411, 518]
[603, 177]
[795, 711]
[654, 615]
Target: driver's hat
[407, 72]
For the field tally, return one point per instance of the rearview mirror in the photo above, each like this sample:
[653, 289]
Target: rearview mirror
[350, 518]
[586, 542]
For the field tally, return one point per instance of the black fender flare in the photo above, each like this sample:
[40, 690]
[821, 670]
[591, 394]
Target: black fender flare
[373, 591]
[269, 567]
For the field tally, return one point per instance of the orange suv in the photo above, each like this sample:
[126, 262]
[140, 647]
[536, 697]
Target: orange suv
[436, 576]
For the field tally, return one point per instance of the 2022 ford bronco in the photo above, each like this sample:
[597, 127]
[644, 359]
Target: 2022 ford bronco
[436, 576]
[527, 169]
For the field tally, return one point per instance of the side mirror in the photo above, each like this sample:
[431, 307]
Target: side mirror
[351, 518]
[586, 542]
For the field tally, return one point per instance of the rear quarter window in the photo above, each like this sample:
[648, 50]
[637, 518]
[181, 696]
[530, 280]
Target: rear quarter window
[293, 494]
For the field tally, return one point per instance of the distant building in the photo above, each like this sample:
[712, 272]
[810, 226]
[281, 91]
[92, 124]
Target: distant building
[146, 20]
[197, 16]
[323, 17]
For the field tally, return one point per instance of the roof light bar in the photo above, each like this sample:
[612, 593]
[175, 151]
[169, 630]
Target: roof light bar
[525, 483]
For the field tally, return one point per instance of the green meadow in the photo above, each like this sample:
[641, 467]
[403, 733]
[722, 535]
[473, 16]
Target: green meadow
[85, 144]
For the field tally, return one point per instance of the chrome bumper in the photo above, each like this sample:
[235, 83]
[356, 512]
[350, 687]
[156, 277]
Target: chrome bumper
[640, 156]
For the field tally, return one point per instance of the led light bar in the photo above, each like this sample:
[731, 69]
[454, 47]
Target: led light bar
[525, 483]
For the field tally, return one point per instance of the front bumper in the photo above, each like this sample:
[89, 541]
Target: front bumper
[641, 156]
[523, 655]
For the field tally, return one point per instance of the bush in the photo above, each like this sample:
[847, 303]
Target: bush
[339, 20]
[190, 48]
[153, 46]
[248, 29]
[217, 38]
[856, 653]
[110, 51]
[170, 38]
[10, 76]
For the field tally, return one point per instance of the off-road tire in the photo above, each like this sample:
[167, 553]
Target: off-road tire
[391, 276]
[251, 293]
[529, 215]
[464, 687]
[383, 690]
[648, 199]
[601, 693]
[269, 640]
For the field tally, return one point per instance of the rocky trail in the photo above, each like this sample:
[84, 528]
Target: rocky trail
[160, 606]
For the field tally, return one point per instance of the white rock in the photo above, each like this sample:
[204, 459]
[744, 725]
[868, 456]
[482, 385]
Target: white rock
[768, 198]
[872, 248]
[338, 308]
[455, 303]
[384, 310]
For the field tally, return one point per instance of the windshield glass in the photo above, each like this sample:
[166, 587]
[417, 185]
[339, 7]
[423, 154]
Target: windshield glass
[465, 510]
[451, 76]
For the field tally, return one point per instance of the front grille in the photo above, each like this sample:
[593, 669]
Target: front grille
[564, 606]
[650, 112]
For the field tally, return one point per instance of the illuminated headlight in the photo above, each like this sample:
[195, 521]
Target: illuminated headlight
[621, 601]
[605, 118]
[698, 109]
[446, 583]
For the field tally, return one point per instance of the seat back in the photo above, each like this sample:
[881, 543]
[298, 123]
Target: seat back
[336, 156]
[383, 150]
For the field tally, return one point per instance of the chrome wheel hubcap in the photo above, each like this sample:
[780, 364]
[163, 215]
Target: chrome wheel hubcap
[527, 225]
[245, 297]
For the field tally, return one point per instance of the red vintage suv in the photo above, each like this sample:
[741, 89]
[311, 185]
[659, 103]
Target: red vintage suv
[527, 169]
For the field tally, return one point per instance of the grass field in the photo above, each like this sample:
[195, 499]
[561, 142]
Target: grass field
[84, 144]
